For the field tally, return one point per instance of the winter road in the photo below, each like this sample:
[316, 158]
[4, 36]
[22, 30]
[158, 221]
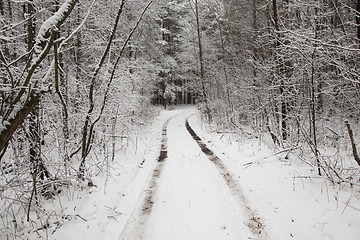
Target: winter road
[191, 195]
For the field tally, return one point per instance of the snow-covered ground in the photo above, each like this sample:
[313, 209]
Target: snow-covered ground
[190, 199]
[293, 201]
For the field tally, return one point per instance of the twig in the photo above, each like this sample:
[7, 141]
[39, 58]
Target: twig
[333, 132]
[347, 203]
[77, 215]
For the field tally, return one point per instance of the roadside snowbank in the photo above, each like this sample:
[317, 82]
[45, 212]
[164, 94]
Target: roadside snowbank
[295, 203]
[102, 211]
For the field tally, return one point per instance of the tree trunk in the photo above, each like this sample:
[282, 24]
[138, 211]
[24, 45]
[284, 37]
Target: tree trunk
[2, 7]
[229, 109]
[313, 100]
[313, 113]
[30, 28]
[358, 20]
[87, 134]
[89, 126]
[38, 168]
[16, 121]
[78, 65]
[280, 70]
[59, 78]
[255, 28]
[10, 10]
[353, 145]
[201, 61]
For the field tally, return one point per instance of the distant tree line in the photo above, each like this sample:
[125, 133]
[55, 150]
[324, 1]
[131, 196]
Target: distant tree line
[290, 68]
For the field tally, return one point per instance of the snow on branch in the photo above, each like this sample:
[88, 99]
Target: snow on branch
[56, 20]
[16, 114]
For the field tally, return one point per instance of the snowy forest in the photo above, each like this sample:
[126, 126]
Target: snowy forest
[80, 81]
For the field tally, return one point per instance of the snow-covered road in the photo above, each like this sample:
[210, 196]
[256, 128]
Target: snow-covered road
[243, 191]
[191, 200]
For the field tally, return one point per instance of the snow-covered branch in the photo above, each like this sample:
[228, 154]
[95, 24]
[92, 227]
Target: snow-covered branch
[56, 20]
[15, 113]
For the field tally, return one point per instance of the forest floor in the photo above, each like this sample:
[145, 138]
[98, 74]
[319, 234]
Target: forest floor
[180, 181]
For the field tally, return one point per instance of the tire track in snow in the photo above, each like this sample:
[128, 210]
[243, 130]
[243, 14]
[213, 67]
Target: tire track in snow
[254, 223]
[148, 202]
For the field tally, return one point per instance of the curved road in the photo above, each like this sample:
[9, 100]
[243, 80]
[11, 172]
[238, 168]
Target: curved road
[188, 198]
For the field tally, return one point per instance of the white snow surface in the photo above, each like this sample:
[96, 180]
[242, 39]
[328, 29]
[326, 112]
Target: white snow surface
[192, 201]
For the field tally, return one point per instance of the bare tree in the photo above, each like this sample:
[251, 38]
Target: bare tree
[13, 115]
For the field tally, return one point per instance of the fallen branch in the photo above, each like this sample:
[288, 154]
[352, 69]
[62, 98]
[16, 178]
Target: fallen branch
[282, 151]
[274, 154]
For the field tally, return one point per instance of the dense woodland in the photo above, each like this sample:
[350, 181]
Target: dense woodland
[77, 76]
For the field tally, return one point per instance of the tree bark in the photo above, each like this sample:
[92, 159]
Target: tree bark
[15, 122]
[313, 113]
[313, 99]
[358, 20]
[255, 29]
[38, 169]
[353, 145]
[280, 68]
[2, 7]
[57, 79]
[87, 134]
[201, 61]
